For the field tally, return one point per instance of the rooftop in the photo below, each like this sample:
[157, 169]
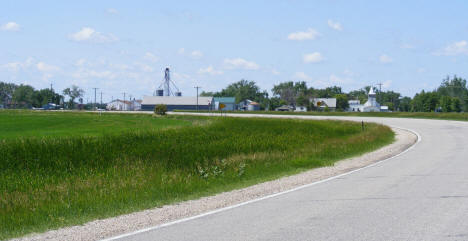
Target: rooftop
[175, 100]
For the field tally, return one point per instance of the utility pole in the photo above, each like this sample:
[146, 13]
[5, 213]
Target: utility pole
[101, 98]
[197, 87]
[124, 100]
[94, 104]
[51, 90]
[380, 91]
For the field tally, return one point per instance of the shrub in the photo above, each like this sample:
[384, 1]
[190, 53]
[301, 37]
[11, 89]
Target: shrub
[160, 109]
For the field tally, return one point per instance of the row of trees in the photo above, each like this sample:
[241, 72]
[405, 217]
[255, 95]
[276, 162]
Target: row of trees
[25, 96]
[451, 96]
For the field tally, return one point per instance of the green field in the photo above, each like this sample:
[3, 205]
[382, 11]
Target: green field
[463, 116]
[20, 123]
[61, 169]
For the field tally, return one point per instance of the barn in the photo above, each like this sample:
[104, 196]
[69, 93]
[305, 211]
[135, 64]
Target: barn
[176, 102]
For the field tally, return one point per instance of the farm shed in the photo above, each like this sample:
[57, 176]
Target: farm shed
[176, 102]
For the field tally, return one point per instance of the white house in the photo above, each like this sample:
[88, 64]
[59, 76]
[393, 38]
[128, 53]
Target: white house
[300, 109]
[322, 103]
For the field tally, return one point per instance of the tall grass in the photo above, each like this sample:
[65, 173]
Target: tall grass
[54, 182]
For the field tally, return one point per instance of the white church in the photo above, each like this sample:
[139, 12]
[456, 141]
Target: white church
[371, 104]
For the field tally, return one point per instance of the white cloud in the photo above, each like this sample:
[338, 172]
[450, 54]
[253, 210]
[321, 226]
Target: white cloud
[145, 67]
[151, 57]
[421, 70]
[315, 57]
[80, 62]
[87, 34]
[335, 25]
[275, 72]
[112, 11]
[338, 80]
[209, 70]
[196, 54]
[181, 51]
[43, 67]
[13, 67]
[456, 48]
[301, 76]
[310, 34]
[386, 84]
[385, 59]
[10, 26]
[239, 63]
[407, 46]
[86, 73]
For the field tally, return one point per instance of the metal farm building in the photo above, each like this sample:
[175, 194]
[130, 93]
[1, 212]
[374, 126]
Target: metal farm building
[176, 102]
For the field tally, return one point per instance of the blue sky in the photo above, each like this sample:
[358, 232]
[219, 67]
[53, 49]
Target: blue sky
[124, 46]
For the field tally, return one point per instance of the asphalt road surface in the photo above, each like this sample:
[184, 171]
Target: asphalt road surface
[420, 195]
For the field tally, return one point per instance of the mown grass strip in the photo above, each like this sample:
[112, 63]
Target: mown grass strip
[462, 116]
[54, 182]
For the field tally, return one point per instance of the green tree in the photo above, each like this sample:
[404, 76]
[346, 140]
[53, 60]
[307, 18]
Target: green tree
[6, 92]
[456, 104]
[446, 103]
[290, 91]
[245, 89]
[405, 104]
[23, 96]
[73, 92]
[341, 102]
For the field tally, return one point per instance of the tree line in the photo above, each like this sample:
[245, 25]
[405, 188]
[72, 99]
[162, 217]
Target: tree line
[450, 96]
[25, 96]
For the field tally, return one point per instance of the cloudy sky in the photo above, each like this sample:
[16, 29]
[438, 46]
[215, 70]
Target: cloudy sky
[124, 46]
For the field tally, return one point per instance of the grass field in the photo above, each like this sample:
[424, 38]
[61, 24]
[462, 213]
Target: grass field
[424, 115]
[74, 175]
[21, 123]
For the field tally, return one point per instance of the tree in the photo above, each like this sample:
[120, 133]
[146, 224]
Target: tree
[73, 93]
[302, 100]
[405, 104]
[425, 102]
[44, 96]
[455, 87]
[6, 92]
[23, 96]
[446, 103]
[341, 102]
[456, 104]
[245, 89]
[208, 94]
[290, 91]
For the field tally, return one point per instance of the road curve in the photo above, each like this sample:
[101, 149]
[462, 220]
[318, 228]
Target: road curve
[420, 195]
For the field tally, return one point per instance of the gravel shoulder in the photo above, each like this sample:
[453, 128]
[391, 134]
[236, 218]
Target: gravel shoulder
[105, 228]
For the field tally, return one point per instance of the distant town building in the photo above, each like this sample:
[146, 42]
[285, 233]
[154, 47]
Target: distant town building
[228, 102]
[249, 105]
[119, 105]
[371, 104]
[322, 103]
[284, 108]
[300, 109]
[354, 105]
[176, 102]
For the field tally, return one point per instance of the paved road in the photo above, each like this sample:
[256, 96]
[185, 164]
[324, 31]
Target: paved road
[420, 195]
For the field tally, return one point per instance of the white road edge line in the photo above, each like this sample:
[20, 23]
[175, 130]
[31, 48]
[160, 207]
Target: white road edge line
[266, 197]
